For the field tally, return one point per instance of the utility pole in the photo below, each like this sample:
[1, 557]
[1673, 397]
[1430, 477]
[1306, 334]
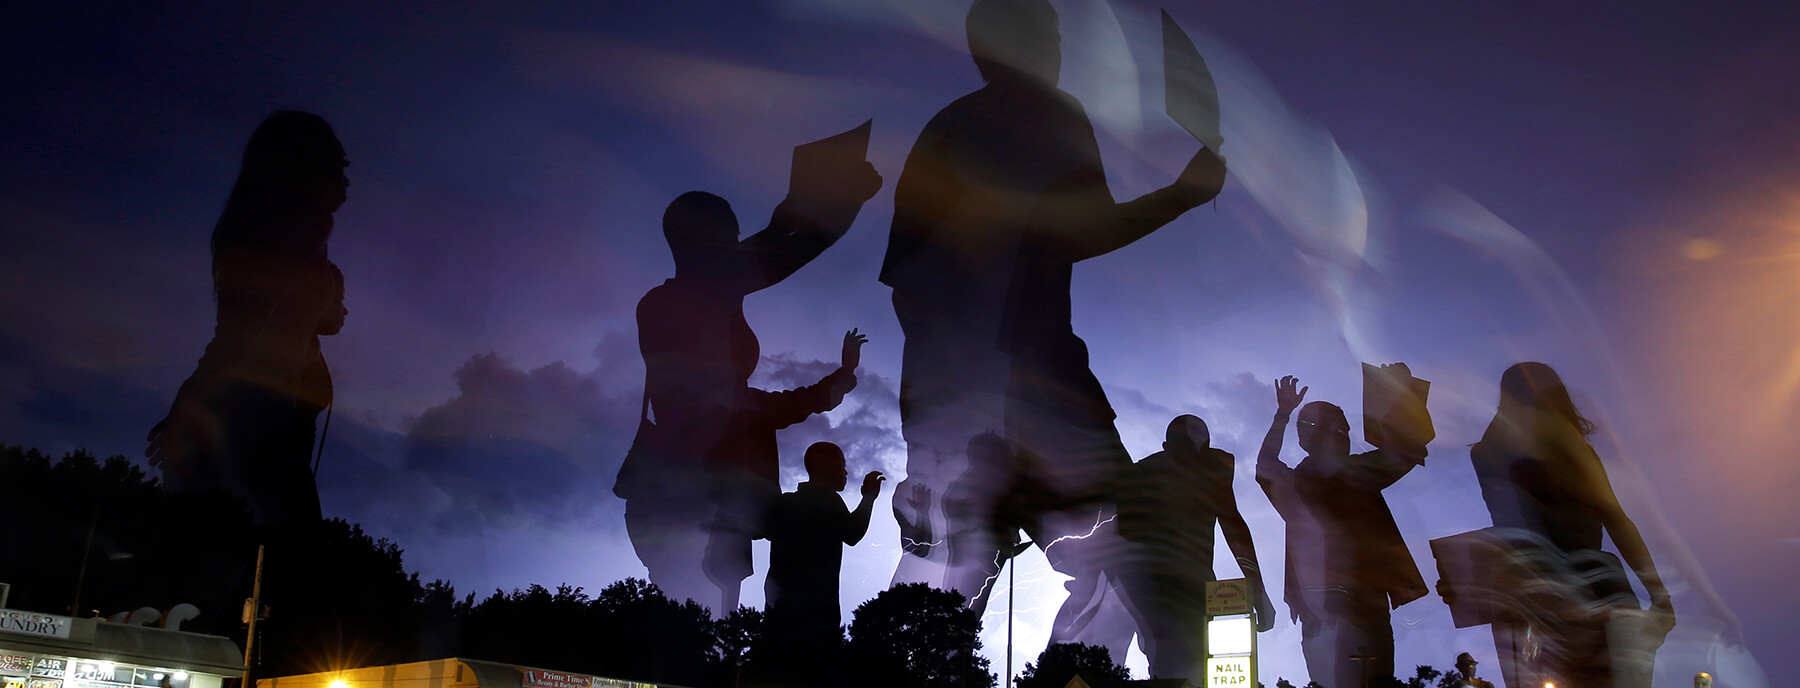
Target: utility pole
[1012, 573]
[86, 547]
[255, 610]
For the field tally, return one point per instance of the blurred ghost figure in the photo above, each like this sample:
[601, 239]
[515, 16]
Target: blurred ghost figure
[1575, 620]
[703, 466]
[980, 538]
[1002, 194]
[1168, 504]
[807, 530]
[1346, 561]
[244, 421]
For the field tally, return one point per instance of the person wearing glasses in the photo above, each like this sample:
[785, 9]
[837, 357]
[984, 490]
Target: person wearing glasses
[1346, 562]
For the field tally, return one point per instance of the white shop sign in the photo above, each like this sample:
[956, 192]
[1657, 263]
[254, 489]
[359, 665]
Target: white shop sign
[33, 623]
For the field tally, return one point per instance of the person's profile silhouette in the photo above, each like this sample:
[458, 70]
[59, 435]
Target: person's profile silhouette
[244, 421]
[808, 530]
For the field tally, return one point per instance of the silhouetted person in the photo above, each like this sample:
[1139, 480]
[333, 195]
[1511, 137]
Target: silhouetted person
[1465, 669]
[1001, 494]
[1168, 503]
[243, 422]
[1346, 561]
[1548, 493]
[983, 524]
[1002, 193]
[703, 466]
[808, 529]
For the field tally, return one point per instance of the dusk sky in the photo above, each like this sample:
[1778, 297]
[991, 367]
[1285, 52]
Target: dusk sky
[1610, 188]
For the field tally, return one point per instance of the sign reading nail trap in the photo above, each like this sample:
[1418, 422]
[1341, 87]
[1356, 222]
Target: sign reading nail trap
[1230, 634]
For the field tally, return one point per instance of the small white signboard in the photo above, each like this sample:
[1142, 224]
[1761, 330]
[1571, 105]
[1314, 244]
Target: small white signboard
[1228, 672]
[33, 623]
[1227, 597]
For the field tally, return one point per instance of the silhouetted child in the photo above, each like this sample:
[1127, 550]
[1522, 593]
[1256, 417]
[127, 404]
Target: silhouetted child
[807, 530]
[1346, 561]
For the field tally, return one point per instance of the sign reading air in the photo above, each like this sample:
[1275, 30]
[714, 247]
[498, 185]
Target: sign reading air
[1223, 672]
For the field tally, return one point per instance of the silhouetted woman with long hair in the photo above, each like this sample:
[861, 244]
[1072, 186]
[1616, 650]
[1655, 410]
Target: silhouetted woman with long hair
[1549, 494]
[243, 422]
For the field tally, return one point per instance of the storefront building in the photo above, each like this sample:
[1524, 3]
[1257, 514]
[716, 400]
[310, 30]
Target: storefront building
[450, 673]
[51, 651]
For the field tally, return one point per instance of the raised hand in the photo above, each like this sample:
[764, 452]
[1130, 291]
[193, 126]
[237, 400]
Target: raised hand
[1662, 612]
[871, 486]
[1286, 397]
[1265, 611]
[864, 182]
[853, 343]
[915, 531]
[1203, 178]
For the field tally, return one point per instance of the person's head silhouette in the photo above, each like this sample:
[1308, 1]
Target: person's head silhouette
[825, 466]
[293, 168]
[1187, 434]
[1015, 40]
[1323, 429]
[989, 452]
[1465, 663]
[297, 152]
[1533, 386]
[702, 232]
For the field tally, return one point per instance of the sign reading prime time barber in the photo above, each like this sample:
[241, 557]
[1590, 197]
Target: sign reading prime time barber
[538, 678]
[33, 623]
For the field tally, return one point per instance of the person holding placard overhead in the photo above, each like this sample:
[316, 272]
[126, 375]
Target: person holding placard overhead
[1002, 194]
[703, 466]
[1346, 561]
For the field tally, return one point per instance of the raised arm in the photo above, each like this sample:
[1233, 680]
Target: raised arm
[1237, 536]
[1591, 484]
[1087, 223]
[858, 525]
[782, 409]
[801, 228]
[1376, 470]
[1269, 468]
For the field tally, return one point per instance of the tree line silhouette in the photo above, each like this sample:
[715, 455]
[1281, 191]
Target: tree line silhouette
[351, 602]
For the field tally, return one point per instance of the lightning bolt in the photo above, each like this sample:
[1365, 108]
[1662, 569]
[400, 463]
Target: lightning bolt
[909, 542]
[990, 581]
[998, 565]
[1097, 523]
